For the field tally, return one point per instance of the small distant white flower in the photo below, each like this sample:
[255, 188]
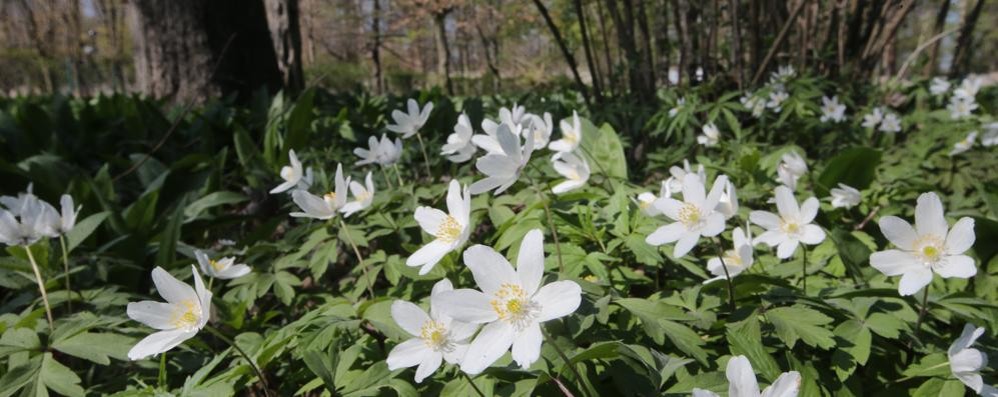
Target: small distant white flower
[503, 169]
[646, 200]
[832, 110]
[408, 124]
[675, 182]
[710, 135]
[512, 303]
[891, 123]
[542, 127]
[776, 99]
[451, 230]
[968, 87]
[742, 382]
[437, 337]
[736, 260]
[226, 242]
[459, 147]
[727, 205]
[363, 195]
[782, 74]
[324, 207]
[754, 104]
[792, 167]
[960, 107]
[383, 152]
[693, 217]
[964, 144]
[939, 86]
[292, 174]
[966, 362]
[68, 214]
[872, 119]
[990, 137]
[791, 227]
[845, 196]
[574, 168]
[571, 135]
[185, 312]
[28, 220]
[512, 116]
[931, 246]
[224, 269]
[678, 108]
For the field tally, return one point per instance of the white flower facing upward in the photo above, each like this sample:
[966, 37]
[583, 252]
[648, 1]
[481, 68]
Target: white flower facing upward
[939, 86]
[541, 127]
[324, 207]
[960, 107]
[736, 260]
[966, 362]
[459, 147]
[693, 217]
[223, 269]
[571, 135]
[383, 152]
[791, 227]
[185, 312]
[832, 110]
[409, 123]
[678, 108]
[675, 181]
[754, 104]
[964, 144]
[68, 214]
[512, 303]
[436, 337]
[503, 169]
[363, 196]
[451, 230]
[574, 168]
[742, 382]
[845, 196]
[930, 247]
[776, 99]
[646, 200]
[890, 124]
[293, 175]
[710, 135]
[792, 167]
[873, 119]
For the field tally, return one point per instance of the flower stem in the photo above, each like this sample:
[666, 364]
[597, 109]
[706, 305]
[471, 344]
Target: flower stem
[210, 281]
[41, 287]
[550, 218]
[161, 378]
[388, 179]
[803, 268]
[426, 159]
[360, 259]
[561, 353]
[65, 274]
[727, 276]
[922, 310]
[398, 175]
[472, 382]
[259, 373]
[606, 176]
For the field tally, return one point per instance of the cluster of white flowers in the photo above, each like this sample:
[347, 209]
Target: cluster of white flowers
[383, 152]
[710, 135]
[882, 119]
[963, 101]
[791, 168]
[757, 103]
[25, 219]
[832, 110]
[334, 202]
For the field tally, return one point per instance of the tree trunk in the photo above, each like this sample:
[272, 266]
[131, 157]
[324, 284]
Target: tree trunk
[648, 57]
[285, 33]
[179, 56]
[587, 47]
[606, 46]
[564, 50]
[376, 48]
[961, 55]
[443, 49]
[662, 43]
[681, 31]
[931, 64]
[736, 43]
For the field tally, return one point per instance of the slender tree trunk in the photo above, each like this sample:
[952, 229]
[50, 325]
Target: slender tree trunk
[490, 61]
[648, 58]
[606, 48]
[736, 43]
[780, 38]
[443, 49]
[931, 64]
[681, 30]
[587, 47]
[961, 55]
[662, 43]
[376, 48]
[564, 51]
[285, 33]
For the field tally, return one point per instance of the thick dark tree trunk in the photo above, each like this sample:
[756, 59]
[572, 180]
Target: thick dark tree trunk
[443, 49]
[683, 33]
[961, 56]
[181, 56]
[930, 65]
[285, 33]
[376, 47]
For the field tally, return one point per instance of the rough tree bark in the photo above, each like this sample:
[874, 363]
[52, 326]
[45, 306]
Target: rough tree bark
[443, 48]
[176, 51]
[961, 56]
[930, 65]
[376, 47]
[285, 33]
[587, 47]
[564, 51]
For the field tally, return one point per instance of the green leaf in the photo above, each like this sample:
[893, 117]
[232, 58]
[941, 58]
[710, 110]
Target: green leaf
[168, 240]
[84, 229]
[211, 200]
[855, 167]
[300, 122]
[797, 322]
[853, 340]
[59, 378]
[96, 347]
[744, 343]
[603, 150]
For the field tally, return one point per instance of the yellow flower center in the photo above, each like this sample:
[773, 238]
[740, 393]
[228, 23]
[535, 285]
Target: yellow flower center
[216, 265]
[689, 215]
[591, 278]
[435, 335]
[449, 230]
[512, 305]
[929, 248]
[329, 197]
[570, 138]
[791, 228]
[186, 316]
[731, 258]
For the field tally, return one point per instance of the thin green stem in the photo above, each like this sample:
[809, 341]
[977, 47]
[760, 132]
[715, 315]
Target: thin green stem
[385, 175]
[65, 274]
[161, 378]
[727, 276]
[398, 174]
[803, 268]
[41, 287]
[426, 159]
[210, 281]
[550, 218]
[259, 373]
[606, 176]
[564, 357]
[360, 259]
[922, 311]
[472, 382]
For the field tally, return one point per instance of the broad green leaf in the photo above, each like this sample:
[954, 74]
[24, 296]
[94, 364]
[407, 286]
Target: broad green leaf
[797, 322]
[84, 229]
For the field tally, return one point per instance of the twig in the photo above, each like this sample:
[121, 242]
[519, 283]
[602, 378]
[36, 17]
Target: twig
[65, 274]
[869, 216]
[426, 159]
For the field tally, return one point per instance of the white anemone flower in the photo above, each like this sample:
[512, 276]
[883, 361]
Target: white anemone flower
[68, 214]
[450, 229]
[363, 196]
[776, 99]
[678, 108]
[791, 227]
[223, 269]
[966, 362]
[512, 303]
[503, 169]
[489, 141]
[408, 124]
[185, 312]
[873, 119]
[792, 167]
[968, 87]
[960, 107]
[693, 217]
[891, 123]
[736, 260]
[754, 104]
[964, 144]
[324, 207]
[939, 86]
[436, 337]
[571, 135]
[514, 115]
[727, 205]
[459, 147]
[832, 110]
[845, 196]
[710, 135]
[646, 200]
[292, 174]
[27, 221]
[990, 137]
[930, 247]
[675, 181]
[384, 152]
[782, 74]
[542, 127]
[574, 168]
[742, 382]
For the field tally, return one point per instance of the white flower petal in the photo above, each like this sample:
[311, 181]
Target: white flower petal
[967, 338]
[465, 305]
[961, 237]
[898, 231]
[558, 299]
[429, 219]
[159, 342]
[527, 346]
[686, 244]
[786, 203]
[431, 361]
[955, 266]
[787, 385]
[741, 378]
[407, 354]
[913, 280]
[713, 225]
[494, 340]
[771, 238]
[530, 261]
[234, 271]
[786, 248]
[489, 268]
[154, 314]
[666, 234]
[812, 234]
[428, 255]
[929, 216]
[765, 219]
[808, 210]
[409, 317]
[171, 289]
[893, 262]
